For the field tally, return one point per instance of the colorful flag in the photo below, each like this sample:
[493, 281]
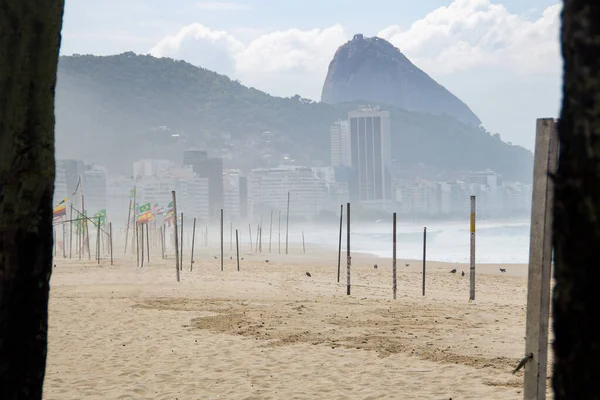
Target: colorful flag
[61, 208]
[144, 208]
[146, 217]
[100, 215]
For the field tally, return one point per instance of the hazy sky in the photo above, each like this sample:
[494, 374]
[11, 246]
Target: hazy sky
[501, 57]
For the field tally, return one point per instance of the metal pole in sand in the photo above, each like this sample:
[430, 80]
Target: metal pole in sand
[127, 228]
[142, 245]
[472, 274]
[193, 240]
[221, 239]
[111, 242]
[424, 256]
[287, 226]
[237, 249]
[270, 231]
[340, 244]
[394, 271]
[348, 258]
[181, 244]
[175, 231]
[250, 233]
[148, 242]
[279, 231]
[98, 242]
[71, 232]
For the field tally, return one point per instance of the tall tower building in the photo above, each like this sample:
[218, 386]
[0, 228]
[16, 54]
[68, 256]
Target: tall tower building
[212, 169]
[370, 155]
[340, 144]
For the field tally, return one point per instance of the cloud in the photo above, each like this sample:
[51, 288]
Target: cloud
[463, 36]
[221, 6]
[470, 34]
[202, 46]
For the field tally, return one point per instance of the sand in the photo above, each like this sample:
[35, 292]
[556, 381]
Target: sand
[271, 332]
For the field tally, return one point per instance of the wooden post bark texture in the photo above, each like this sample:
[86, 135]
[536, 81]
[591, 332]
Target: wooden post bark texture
[576, 228]
[29, 44]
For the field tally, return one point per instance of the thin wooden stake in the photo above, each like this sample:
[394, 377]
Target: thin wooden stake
[348, 258]
[279, 231]
[303, 246]
[142, 245]
[137, 243]
[71, 233]
[98, 242]
[221, 239]
[127, 229]
[287, 226]
[181, 244]
[340, 244]
[111, 242]
[472, 272]
[193, 240]
[147, 242]
[64, 240]
[237, 249]
[250, 233]
[175, 232]
[270, 230]
[424, 256]
[394, 272]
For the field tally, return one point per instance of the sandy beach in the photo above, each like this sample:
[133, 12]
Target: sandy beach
[271, 332]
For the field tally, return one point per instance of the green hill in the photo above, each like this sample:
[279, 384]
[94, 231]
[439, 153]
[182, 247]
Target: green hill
[110, 110]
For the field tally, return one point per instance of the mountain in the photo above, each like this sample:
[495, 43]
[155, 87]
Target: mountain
[114, 110]
[373, 70]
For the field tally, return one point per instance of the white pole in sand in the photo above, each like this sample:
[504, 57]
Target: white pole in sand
[472, 275]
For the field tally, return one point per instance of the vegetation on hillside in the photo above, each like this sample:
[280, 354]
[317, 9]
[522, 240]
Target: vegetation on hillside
[109, 108]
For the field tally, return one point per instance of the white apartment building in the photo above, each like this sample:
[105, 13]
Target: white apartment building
[268, 191]
[94, 188]
[340, 144]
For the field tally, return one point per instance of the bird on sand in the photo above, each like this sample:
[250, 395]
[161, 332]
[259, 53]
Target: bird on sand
[266, 261]
[375, 266]
[215, 257]
[231, 258]
[463, 273]
[407, 264]
[308, 274]
[453, 271]
[502, 269]
[242, 258]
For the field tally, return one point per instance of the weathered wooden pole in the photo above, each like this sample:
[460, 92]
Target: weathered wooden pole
[193, 241]
[137, 243]
[175, 232]
[394, 277]
[260, 241]
[181, 244]
[540, 259]
[472, 274]
[64, 239]
[111, 242]
[98, 241]
[221, 239]
[71, 233]
[424, 256]
[348, 259]
[340, 243]
[287, 226]
[147, 242]
[270, 230]
[303, 246]
[279, 231]
[257, 238]
[237, 249]
[250, 234]
[127, 229]
[142, 245]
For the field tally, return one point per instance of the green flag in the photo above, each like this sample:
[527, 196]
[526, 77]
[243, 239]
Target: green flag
[144, 208]
[100, 215]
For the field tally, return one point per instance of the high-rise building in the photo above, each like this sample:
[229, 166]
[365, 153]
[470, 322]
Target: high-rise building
[340, 144]
[268, 191]
[94, 188]
[211, 169]
[73, 169]
[370, 156]
[149, 167]
[235, 192]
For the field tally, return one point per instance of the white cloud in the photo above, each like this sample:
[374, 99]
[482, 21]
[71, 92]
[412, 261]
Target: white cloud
[469, 34]
[221, 6]
[466, 35]
[203, 46]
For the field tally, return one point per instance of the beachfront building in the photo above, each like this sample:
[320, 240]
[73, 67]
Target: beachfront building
[235, 194]
[340, 144]
[268, 191]
[94, 188]
[370, 157]
[211, 169]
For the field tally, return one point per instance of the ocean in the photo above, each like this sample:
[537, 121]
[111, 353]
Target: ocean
[496, 242]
